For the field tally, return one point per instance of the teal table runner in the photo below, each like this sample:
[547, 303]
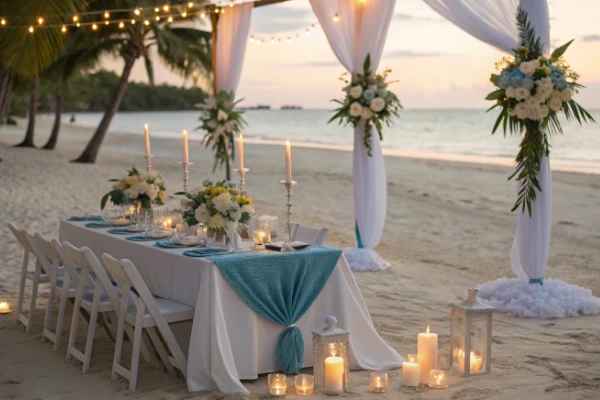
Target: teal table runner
[281, 287]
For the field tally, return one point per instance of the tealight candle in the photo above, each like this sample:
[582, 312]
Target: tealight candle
[261, 237]
[305, 384]
[411, 371]
[379, 382]
[428, 353]
[4, 306]
[277, 384]
[475, 362]
[437, 379]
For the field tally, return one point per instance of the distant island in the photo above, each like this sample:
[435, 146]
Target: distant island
[291, 107]
[258, 107]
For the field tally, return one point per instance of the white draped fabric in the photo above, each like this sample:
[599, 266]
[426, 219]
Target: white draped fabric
[362, 31]
[232, 36]
[493, 22]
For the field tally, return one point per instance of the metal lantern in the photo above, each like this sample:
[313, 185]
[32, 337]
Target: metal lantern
[330, 358]
[471, 335]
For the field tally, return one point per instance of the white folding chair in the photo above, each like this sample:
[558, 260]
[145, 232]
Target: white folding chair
[149, 313]
[36, 276]
[104, 298]
[307, 234]
[60, 284]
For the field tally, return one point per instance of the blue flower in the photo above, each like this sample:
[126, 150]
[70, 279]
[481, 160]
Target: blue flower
[382, 92]
[517, 73]
[368, 94]
[555, 76]
[528, 83]
[561, 84]
[516, 81]
[505, 81]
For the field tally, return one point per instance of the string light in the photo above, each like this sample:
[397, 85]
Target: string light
[94, 26]
[289, 40]
[166, 7]
[106, 14]
[157, 18]
[121, 25]
[3, 22]
[63, 29]
[258, 42]
[106, 23]
[170, 19]
[190, 5]
[307, 32]
[133, 22]
[231, 3]
[251, 39]
[156, 9]
[31, 29]
[40, 20]
[78, 24]
[146, 22]
[336, 18]
[272, 40]
[216, 10]
[136, 12]
[202, 14]
[183, 14]
[75, 18]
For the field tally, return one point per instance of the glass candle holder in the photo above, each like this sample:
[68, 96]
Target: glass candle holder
[261, 237]
[4, 306]
[305, 384]
[379, 382]
[437, 379]
[201, 233]
[411, 371]
[277, 384]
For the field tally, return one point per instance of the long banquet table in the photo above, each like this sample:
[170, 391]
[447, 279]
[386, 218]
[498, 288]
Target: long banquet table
[229, 342]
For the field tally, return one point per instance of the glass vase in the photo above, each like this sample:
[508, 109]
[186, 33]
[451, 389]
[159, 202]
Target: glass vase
[141, 215]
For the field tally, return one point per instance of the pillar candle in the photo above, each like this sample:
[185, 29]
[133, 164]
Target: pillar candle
[411, 371]
[334, 374]
[147, 139]
[428, 354]
[288, 162]
[241, 152]
[186, 155]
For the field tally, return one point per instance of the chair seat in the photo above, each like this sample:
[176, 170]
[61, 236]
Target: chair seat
[104, 304]
[44, 277]
[73, 287]
[171, 311]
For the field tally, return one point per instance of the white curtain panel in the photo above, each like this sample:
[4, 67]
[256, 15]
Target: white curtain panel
[493, 22]
[232, 36]
[362, 30]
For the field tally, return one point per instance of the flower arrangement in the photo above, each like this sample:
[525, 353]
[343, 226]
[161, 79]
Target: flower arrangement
[221, 121]
[532, 90]
[367, 99]
[147, 189]
[218, 205]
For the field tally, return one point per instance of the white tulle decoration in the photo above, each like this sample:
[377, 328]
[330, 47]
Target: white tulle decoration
[362, 259]
[553, 299]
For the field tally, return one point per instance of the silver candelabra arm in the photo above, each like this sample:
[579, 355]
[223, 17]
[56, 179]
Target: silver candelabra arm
[148, 162]
[287, 243]
[186, 166]
[242, 173]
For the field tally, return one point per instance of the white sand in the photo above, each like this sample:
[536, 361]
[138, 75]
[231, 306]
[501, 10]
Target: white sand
[448, 228]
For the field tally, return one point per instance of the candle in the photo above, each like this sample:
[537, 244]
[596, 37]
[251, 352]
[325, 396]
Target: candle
[277, 384]
[147, 139]
[334, 374]
[305, 384]
[475, 362]
[428, 353]
[379, 382]
[288, 162]
[411, 371]
[186, 155]
[437, 379]
[4, 307]
[241, 152]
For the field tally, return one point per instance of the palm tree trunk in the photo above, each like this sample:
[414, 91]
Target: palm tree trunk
[5, 89]
[91, 151]
[28, 141]
[51, 144]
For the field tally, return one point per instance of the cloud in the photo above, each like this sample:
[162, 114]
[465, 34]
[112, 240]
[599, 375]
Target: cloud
[415, 54]
[409, 17]
[322, 64]
[591, 38]
[281, 18]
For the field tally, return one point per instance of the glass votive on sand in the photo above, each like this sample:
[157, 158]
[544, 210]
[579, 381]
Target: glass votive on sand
[277, 384]
[437, 379]
[4, 306]
[379, 382]
[305, 384]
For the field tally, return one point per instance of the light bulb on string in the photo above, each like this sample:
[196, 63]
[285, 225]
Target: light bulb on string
[2, 21]
[63, 29]
[289, 40]
[166, 7]
[136, 12]
[106, 14]
[156, 9]
[146, 22]
[184, 14]
[40, 20]
[202, 14]
[170, 19]
[336, 18]
[251, 39]
[75, 18]
[133, 22]
[94, 26]
[231, 3]
[190, 5]
[78, 24]
[157, 18]
[121, 25]
[216, 10]
[31, 29]
[106, 23]
[258, 42]
[222, 10]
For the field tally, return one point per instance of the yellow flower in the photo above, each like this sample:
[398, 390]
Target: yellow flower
[244, 201]
[209, 203]
[217, 191]
[132, 180]
[233, 191]
[161, 194]
[123, 184]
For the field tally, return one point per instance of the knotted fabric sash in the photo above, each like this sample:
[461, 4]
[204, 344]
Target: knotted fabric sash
[281, 287]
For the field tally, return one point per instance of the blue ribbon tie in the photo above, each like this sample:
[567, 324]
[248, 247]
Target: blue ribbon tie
[537, 280]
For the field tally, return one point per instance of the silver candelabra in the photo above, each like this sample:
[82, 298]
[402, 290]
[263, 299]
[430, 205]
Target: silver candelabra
[287, 243]
[242, 173]
[185, 165]
[148, 162]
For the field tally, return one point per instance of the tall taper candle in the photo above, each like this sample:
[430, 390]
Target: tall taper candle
[428, 354]
[288, 162]
[241, 152]
[147, 137]
[186, 155]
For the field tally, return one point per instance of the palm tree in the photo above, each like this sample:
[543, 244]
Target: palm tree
[183, 49]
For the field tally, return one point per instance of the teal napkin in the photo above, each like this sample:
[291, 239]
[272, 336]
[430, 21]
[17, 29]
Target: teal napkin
[97, 218]
[98, 225]
[167, 244]
[138, 238]
[205, 252]
[120, 231]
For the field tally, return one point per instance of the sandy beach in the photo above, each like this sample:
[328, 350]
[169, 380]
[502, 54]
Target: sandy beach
[448, 228]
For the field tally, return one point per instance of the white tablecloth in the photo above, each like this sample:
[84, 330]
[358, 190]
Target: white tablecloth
[229, 342]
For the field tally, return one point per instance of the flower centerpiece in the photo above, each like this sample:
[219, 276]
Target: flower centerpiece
[137, 188]
[367, 99]
[220, 206]
[221, 121]
[532, 91]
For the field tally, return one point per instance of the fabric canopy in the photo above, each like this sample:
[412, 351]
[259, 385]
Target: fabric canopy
[362, 31]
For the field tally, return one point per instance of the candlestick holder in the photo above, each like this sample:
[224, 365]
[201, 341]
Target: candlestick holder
[242, 173]
[185, 166]
[287, 243]
[148, 162]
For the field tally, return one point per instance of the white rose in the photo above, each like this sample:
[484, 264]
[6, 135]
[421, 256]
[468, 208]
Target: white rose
[158, 181]
[533, 112]
[132, 192]
[152, 191]
[366, 113]
[527, 68]
[222, 202]
[547, 82]
[211, 102]
[216, 221]
[511, 112]
[522, 93]
[555, 104]
[373, 87]
[355, 109]
[202, 214]
[142, 187]
[222, 115]
[235, 212]
[544, 111]
[510, 92]
[377, 104]
[521, 110]
[566, 94]
[535, 63]
[248, 209]
[356, 92]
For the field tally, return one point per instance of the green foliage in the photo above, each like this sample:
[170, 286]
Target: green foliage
[136, 187]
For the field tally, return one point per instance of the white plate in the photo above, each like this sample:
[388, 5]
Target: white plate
[136, 228]
[157, 234]
[187, 241]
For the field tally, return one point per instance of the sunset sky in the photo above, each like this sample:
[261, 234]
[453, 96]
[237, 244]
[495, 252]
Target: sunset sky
[437, 64]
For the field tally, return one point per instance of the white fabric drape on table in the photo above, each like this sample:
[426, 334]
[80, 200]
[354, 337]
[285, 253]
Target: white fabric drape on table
[362, 30]
[232, 36]
[494, 22]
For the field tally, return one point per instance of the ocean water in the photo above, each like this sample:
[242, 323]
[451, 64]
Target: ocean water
[454, 132]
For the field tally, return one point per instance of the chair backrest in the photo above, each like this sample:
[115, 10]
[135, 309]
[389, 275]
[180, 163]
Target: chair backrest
[66, 261]
[90, 266]
[49, 264]
[127, 277]
[307, 234]
[21, 237]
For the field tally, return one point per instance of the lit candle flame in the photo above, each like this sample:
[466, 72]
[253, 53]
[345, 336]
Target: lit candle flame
[428, 329]
[439, 379]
